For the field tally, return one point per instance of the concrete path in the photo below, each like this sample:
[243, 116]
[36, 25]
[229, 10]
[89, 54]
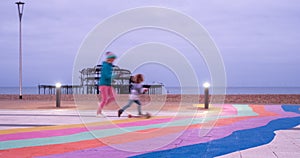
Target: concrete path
[229, 130]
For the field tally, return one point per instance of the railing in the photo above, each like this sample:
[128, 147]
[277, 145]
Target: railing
[93, 89]
[65, 89]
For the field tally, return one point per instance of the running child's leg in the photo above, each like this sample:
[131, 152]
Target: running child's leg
[139, 107]
[104, 98]
[125, 107]
[128, 105]
[111, 95]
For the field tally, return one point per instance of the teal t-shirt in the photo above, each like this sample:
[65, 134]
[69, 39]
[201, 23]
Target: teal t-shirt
[106, 74]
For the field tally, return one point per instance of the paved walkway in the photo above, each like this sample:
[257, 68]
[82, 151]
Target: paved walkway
[230, 130]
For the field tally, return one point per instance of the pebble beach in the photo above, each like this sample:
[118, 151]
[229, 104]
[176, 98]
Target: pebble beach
[31, 101]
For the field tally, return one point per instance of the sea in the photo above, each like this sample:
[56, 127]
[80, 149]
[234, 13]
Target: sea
[188, 90]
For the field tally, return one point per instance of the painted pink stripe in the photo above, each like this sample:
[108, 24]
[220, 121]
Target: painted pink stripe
[130, 124]
[228, 109]
[147, 122]
[69, 131]
[41, 134]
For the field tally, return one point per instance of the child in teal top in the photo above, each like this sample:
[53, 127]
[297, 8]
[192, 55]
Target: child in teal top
[107, 91]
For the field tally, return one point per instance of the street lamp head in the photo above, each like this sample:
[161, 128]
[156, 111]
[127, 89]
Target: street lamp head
[206, 85]
[20, 3]
[20, 9]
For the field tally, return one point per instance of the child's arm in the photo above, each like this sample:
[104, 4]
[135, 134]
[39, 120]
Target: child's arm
[145, 90]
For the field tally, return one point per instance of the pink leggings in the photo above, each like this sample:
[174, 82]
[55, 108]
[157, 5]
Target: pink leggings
[107, 96]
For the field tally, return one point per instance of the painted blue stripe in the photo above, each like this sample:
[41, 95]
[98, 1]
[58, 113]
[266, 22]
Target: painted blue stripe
[291, 108]
[238, 140]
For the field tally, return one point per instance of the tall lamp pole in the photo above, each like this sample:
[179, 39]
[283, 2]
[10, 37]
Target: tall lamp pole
[20, 11]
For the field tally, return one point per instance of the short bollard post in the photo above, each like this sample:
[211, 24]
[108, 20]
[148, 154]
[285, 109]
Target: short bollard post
[58, 94]
[206, 86]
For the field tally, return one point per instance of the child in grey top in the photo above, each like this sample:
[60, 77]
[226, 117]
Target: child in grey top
[136, 90]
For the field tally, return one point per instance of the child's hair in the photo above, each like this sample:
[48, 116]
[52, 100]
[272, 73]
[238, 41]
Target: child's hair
[139, 78]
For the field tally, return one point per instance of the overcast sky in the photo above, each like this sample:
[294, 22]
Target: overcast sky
[259, 40]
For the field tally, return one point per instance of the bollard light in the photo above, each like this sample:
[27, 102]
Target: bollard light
[58, 85]
[206, 86]
[58, 94]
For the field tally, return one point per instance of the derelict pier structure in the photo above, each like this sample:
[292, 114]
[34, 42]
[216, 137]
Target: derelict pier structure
[89, 78]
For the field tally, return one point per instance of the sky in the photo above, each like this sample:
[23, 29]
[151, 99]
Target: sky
[258, 40]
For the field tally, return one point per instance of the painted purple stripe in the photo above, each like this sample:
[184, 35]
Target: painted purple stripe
[278, 109]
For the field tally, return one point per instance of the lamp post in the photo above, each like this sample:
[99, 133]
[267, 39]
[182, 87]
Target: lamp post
[20, 11]
[58, 94]
[206, 86]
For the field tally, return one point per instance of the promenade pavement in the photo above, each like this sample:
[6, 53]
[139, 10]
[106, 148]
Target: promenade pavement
[229, 130]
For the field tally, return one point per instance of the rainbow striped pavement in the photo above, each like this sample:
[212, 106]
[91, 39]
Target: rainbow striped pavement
[227, 130]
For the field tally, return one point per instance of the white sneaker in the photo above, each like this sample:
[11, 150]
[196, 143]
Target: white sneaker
[100, 115]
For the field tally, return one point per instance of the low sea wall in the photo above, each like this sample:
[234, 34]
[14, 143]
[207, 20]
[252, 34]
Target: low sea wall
[236, 99]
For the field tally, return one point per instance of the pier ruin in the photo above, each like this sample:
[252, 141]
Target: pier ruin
[89, 78]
